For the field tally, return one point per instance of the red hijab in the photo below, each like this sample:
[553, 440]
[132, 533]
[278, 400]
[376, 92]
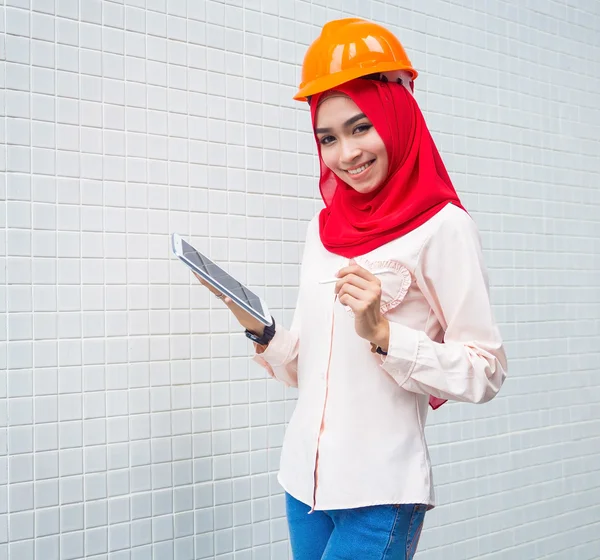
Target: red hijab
[417, 186]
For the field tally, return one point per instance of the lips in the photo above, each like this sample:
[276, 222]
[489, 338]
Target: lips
[354, 171]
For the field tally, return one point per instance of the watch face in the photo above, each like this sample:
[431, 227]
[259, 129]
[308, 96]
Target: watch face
[252, 337]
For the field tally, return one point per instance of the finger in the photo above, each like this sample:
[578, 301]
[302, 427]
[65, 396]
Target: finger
[347, 270]
[354, 291]
[358, 271]
[356, 305]
[351, 279]
[200, 279]
[349, 301]
[204, 283]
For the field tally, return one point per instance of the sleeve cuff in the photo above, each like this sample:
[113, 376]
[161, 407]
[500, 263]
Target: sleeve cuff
[403, 348]
[277, 350]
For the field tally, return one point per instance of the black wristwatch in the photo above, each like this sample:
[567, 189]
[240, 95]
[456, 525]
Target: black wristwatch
[266, 337]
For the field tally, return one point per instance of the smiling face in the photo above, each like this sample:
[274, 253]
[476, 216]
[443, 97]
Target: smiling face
[350, 145]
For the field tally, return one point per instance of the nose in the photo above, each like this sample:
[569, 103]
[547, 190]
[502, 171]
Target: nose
[350, 152]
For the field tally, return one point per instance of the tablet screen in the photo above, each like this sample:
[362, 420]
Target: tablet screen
[222, 277]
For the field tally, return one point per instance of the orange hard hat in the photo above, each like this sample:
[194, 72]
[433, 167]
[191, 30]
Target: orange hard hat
[347, 49]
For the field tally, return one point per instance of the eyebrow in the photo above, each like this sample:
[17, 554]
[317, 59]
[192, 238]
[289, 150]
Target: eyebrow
[348, 123]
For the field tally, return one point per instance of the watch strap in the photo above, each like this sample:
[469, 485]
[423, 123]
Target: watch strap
[267, 336]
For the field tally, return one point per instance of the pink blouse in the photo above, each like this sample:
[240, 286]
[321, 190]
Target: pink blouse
[356, 436]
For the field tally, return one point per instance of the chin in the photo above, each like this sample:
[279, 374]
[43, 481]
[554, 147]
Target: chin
[361, 189]
[366, 189]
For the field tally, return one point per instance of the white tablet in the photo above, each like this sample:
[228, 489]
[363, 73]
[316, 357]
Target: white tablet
[221, 280]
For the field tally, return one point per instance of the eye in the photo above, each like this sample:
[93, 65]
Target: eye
[324, 140]
[365, 127]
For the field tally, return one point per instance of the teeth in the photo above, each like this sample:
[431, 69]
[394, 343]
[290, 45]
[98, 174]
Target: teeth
[359, 170]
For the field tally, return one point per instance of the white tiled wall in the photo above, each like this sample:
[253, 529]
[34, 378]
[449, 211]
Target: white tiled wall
[132, 425]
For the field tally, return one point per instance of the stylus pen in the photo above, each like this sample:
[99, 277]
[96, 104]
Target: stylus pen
[377, 272]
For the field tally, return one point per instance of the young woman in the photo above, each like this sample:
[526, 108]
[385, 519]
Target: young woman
[405, 322]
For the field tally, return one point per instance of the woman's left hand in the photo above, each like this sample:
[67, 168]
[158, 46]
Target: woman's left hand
[361, 291]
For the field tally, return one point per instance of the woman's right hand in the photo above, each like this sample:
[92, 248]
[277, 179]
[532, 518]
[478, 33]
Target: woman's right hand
[244, 318]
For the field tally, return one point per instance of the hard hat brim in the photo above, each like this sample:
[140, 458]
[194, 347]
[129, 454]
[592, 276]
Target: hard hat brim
[330, 81]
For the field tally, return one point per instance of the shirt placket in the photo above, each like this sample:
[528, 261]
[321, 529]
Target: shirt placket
[322, 426]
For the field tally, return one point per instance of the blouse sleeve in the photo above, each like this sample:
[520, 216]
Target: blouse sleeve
[470, 364]
[280, 358]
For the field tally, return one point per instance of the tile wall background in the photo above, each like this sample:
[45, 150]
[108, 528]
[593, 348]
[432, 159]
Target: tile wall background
[132, 425]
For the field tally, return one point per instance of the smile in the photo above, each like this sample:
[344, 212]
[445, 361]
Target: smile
[358, 170]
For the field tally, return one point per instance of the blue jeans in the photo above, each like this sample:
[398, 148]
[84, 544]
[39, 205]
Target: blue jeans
[386, 532]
